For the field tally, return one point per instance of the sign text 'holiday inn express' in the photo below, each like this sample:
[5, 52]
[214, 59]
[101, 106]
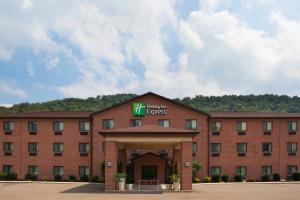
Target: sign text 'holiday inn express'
[142, 109]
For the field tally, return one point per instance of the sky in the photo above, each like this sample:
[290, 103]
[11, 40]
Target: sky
[54, 49]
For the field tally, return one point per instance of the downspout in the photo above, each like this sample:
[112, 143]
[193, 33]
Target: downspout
[208, 141]
[91, 145]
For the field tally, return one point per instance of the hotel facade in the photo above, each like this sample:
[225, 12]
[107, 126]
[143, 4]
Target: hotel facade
[151, 136]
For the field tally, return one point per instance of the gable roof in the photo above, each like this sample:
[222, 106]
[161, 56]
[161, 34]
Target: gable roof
[148, 153]
[152, 94]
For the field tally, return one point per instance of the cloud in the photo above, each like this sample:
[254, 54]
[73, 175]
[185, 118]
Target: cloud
[10, 87]
[7, 105]
[5, 54]
[52, 63]
[30, 70]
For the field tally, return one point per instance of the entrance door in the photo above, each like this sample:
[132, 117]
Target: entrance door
[149, 172]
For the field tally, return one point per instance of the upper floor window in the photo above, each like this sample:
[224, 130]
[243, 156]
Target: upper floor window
[84, 171]
[214, 171]
[164, 122]
[267, 147]
[292, 147]
[58, 171]
[84, 126]
[135, 122]
[33, 170]
[84, 147]
[194, 147]
[241, 170]
[291, 169]
[215, 126]
[215, 147]
[32, 126]
[241, 147]
[8, 126]
[241, 126]
[7, 146]
[191, 123]
[292, 126]
[58, 147]
[58, 126]
[267, 126]
[7, 169]
[32, 147]
[108, 124]
[266, 170]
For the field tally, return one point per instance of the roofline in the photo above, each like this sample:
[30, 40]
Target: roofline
[154, 94]
[19, 114]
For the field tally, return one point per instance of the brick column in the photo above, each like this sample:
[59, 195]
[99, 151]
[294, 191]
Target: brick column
[111, 155]
[186, 171]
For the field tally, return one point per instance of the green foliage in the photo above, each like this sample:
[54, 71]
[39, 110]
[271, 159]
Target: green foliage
[118, 176]
[84, 178]
[264, 103]
[276, 177]
[176, 168]
[251, 180]
[196, 167]
[225, 178]
[265, 178]
[102, 168]
[206, 179]
[216, 178]
[95, 179]
[175, 178]
[72, 178]
[11, 176]
[296, 176]
[58, 178]
[238, 178]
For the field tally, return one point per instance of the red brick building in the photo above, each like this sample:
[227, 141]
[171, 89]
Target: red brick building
[151, 136]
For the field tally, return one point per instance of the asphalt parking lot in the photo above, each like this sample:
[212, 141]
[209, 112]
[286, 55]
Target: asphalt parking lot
[87, 191]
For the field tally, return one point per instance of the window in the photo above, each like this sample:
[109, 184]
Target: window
[241, 126]
[267, 126]
[84, 171]
[8, 169]
[267, 147]
[291, 169]
[58, 171]
[241, 147]
[108, 123]
[84, 147]
[292, 126]
[84, 126]
[7, 147]
[215, 126]
[164, 122]
[191, 123]
[215, 147]
[8, 126]
[32, 147]
[32, 126]
[266, 170]
[58, 147]
[58, 126]
[135, 122]
[291, 147]
[241, 170]
[194, 147]
[214, 171]
[33, 170]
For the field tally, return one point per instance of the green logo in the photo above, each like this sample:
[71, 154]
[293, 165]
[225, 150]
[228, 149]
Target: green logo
[139, 109]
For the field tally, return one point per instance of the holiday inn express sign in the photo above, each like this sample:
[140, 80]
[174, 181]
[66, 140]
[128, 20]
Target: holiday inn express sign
[142, 109]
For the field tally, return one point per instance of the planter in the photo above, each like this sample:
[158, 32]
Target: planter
[176, 186]
[129, 187]
[122, 184]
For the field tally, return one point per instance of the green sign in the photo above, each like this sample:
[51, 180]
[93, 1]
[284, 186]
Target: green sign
[139, 109]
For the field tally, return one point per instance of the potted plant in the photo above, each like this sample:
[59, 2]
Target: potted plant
[175, 178]
[121, 178]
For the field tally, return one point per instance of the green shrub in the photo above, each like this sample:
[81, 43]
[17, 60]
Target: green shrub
[216, 178]
[2, 176]
[225, 178]
[207, 179]
[238, 178]
[175, 178]
[72, 178]
[251, 180]
[58, 178]
[265, 178]
[95, 179]
[296, 176]
[11, 176]
[45, 178]
[196, 180]
[31, 177]
[276, 177]
[84, 178]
